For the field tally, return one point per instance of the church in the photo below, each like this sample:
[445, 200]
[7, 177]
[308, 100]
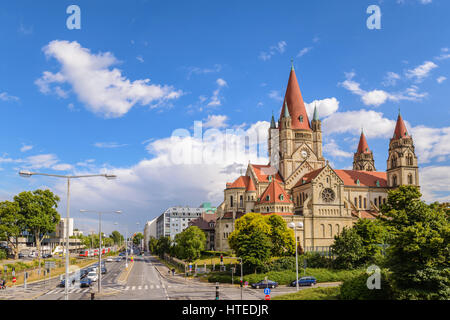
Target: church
[299, 184]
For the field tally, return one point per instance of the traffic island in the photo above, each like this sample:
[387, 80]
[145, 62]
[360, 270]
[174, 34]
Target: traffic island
[122, 279]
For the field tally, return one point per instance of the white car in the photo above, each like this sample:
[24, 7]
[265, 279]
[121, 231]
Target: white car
[93, 276]
[109, 260]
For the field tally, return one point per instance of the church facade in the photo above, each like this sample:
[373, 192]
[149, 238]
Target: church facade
[300, 185]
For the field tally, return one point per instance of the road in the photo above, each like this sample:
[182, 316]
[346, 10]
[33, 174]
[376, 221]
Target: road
[148, 279]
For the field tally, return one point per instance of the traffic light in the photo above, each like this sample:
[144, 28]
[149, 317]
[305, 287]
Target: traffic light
[221, 259]
[217, 291]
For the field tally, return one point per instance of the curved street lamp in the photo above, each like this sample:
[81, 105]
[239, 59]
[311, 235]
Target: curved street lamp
[28, 174]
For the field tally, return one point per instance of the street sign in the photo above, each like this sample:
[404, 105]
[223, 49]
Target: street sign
[13, 273]
[14, 279]
[267, 297]
[50, 264]
[267, 291]
[246, 284]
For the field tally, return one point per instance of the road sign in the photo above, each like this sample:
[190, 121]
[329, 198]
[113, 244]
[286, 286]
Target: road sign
[267, 297]
[246, 284]
[267, 291]
[13, 273]
[14, 279]
[49, 264]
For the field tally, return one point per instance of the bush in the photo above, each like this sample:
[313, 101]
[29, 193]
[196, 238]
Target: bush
[3, 254]
[320, 293]
[207, 254]
[356, 289]
[281, 264]
[316, 260]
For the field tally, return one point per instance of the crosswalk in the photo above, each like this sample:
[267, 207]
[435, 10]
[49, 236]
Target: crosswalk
[124, 288]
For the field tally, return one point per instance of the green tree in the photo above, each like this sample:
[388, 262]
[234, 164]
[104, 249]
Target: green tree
[163, 246]
[39, 209]
[373, 234]
[116, 237]
[152, 243]
[12, 224]
[251, 242]
[418, 256]
[190, 243]
[348, 248]
[137, 238]
[281, 236]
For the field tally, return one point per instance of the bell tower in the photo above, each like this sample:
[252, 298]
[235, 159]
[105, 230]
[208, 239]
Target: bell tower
[402, 164]
[363, 158]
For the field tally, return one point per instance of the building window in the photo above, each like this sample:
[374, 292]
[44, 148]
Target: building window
[394, 180]
[360, 201]
[241, 201]
[365, 203]
[231, 201]
[281, 197]
[267, 198]
[300, 118]
[356, 202]
[410, 179]
[375, 200]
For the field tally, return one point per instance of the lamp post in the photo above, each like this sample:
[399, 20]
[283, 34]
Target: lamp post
[28, 174]
[100, 243]
[294, 226]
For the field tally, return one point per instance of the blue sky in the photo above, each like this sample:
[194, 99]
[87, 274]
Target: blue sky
[223, 63]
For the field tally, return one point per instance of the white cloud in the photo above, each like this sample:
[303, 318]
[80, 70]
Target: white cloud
[378, 97]
[390, 79]
[147, 188]
[26, 148]
[4, 96]
[435, 183]
[374, 123]
[103, 90]
[304, 51]
[140, 59]
[280, 47]
[196, 70]
[216, 121]
[441, 79]
[215, 99]
[109, 145]
[421, 72]
[431, 143]
[332, 149]
[325, 107]
[275, 94]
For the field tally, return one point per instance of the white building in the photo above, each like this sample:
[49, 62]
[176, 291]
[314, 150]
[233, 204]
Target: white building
[149, 231]
[60, 228]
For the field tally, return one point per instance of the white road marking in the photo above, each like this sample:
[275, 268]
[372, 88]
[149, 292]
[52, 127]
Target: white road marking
[133, 287]
[127, 288]
[146, 287]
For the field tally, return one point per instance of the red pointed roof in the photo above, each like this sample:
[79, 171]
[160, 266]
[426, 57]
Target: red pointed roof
[251, 185]
[244, 182]
[296, 106]
[309, 176]
[400, 129]
[275, 191]
[363, 147]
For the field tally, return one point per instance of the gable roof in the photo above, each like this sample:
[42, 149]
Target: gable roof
[244, 182]
[274, 191]
[263, 172]
[308, 177]
[366, 178]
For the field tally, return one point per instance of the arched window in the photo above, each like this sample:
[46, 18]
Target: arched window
[360, 201]
[394, 180]
[298, 201]
[356, 202]
[323, 230]
[394, 162]
[267, 198]
[365, 203]
[241, 201]
[375, 201]
[379, 200]
[231, 201]
[330, 230]
[410, 160]
[300, 118]
[337, 229]
[410, 179]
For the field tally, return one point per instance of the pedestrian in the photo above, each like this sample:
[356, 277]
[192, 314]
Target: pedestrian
[173, 271]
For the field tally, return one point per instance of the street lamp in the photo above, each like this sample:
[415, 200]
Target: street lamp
[294, 226]
[28, 174]
[100, 242]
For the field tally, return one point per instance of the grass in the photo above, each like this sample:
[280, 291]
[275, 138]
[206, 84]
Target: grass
[324, 293]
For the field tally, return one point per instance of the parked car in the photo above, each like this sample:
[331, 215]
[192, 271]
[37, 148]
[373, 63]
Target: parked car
[265, 284]
[21, 256]
[46, 255]
[93, 276]
[304, 281]
[118, 259]
[109, 260]
[104, 270]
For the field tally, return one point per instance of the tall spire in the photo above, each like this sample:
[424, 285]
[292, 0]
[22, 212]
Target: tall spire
[400, 128]
[316, 114]
[363, 146]
[286, 111]
[296, 107]
[272, 123]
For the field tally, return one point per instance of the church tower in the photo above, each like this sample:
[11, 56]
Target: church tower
[363, 158]
[402, 164]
